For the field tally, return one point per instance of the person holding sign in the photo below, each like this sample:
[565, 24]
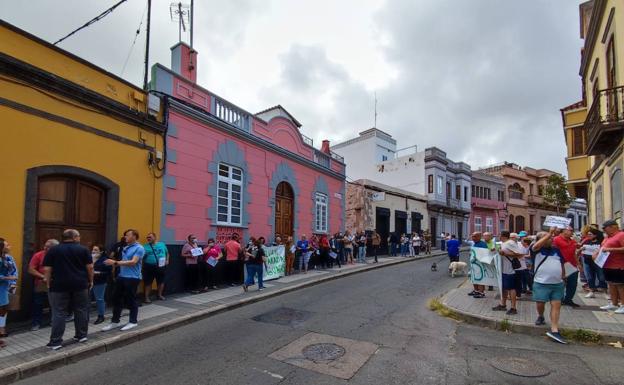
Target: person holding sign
[290, 255]
[479, 290]
[590, 244]
[256, 259]
[190, 252]
[510, 252]
[154, 264]
[548, 277]
[567, 246]
[212, 256]
[614, 266]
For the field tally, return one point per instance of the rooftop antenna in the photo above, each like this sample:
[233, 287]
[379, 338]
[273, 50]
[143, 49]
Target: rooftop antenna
[180, 14]
[375, 126]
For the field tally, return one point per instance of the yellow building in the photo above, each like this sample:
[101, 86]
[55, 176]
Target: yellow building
[79, 150]
[577, 161]
[602, 74]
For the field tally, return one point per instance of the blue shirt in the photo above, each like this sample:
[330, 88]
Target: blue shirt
[128, 253]
[303, 245]
[8, 269]
[154, 252]
[481, 244]
[453, 247]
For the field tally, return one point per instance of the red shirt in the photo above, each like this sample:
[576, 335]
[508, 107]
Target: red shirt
[37, 263]
[616, 259]
[232, 249]
[567, 247]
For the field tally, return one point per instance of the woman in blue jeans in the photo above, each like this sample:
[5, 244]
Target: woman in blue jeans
[593, 272]
[101, 272]
[254, 264]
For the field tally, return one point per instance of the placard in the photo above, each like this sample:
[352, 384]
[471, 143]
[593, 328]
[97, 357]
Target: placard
[569, 269]
[275, 262]
[333, 255]
[601, 258]
[482, 273]
[558, 222]
[212, 261]
[196, 252]
[162, 261]
[589, 249]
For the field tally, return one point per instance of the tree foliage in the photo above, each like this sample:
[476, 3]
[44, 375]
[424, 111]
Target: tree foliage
[556, 192]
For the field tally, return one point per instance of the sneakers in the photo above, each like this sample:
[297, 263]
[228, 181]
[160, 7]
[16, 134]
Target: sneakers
[129, 326]
[570, 303]
[472, 293]
[590, 295]
[556, 337]
[512, 311]
[34, 328]
[608, 307]
[499, 308]
[54, 345]
[479, 295]
[99, 320]
[80, 339]
[540, 321]
[620, 310]
[110, 326]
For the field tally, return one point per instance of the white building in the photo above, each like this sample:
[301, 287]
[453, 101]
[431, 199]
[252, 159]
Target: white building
[577, 212]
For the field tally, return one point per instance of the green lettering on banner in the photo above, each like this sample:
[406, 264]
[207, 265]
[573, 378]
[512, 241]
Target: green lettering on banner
[275, 263]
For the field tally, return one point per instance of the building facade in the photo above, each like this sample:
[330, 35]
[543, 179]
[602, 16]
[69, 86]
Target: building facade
[577, 161]
[80, 151]
[602, 74]
[373, 155]
[577, 212]
[229, 170]
[375, 206]
[526, 208]
[489, 209]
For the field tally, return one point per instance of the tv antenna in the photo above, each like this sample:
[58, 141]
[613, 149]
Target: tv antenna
[180, 13]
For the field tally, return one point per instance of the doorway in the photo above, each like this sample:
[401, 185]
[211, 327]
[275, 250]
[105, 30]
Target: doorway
[382, 225]
[284, 204]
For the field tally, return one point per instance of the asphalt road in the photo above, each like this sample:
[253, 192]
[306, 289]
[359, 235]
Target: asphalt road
[386, 307]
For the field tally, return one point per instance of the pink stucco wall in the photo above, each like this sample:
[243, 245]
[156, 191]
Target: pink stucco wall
[487, 208]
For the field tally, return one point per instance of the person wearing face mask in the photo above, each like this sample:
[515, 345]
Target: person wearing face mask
[212, 256]
[101, 272]
[192, 270]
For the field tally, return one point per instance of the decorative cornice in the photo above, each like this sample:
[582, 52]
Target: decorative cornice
[592, 34]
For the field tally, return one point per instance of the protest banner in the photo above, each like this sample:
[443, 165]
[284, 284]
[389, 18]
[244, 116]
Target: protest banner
[481, 271]
[275, 263]
[555, 221]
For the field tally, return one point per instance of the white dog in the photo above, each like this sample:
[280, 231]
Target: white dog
[457, 268]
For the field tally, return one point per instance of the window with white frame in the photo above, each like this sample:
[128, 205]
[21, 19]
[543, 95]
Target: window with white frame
[478, 227]
[489, 224]
[230, 193]
[440, 189]
[320, 225]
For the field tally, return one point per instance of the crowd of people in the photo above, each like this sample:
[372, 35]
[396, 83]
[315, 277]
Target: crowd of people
[548, 266]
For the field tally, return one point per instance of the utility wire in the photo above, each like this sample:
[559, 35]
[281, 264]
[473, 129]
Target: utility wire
[94, 20]
[136, 36]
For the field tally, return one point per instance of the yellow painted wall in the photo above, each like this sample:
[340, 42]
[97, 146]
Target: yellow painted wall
[605, 181]
[577, 168]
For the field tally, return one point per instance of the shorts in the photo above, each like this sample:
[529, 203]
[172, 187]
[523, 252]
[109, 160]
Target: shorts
[614, 276]
[4, 294]
[509, 281]
[151, 272]
[547, 292]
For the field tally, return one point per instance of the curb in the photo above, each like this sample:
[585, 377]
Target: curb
[522, 328]
[44, 364]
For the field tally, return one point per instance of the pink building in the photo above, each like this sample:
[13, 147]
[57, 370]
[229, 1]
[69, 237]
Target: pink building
[229, 170]
[489, 210]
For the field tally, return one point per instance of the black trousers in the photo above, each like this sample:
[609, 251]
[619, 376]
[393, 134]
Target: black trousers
[208, 274]
[192, 277]
[125, 293]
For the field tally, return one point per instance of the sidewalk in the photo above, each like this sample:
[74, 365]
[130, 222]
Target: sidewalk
[588, 317]
[26, 354]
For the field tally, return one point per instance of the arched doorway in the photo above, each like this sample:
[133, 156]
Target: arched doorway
[284, 209]
[70, 202]
[511, 223]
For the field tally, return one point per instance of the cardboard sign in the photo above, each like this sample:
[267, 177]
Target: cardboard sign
[558, 222]
[569, 269]
[482, 273]
[197, 252]
[275, 262]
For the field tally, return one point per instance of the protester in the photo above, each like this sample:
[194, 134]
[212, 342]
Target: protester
[452, 246]
[567, 246]
[101, 273]
[375, 243]
[69, 273]
[392, 241]
[40, 288]
[347, 242]
[478, 290]
[593, 272]
[117, 252]
[192, 269]
[303, 247]
[290, 255]
[548, 285]
[509, 252]
[254, 265]
[334, 247]
[154, 267]
[212, 256]
[314, 249]
[489, 239]
[361, 242]
[614, 266]
[8, 282]
[405, 241]
[234, 258]
[127, 281]
[521, 273]
[427, 237]
[416, 245]
[527, 278]
[324, 251]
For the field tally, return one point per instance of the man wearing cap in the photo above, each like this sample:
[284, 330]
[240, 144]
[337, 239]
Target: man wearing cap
[614, 266]
[567, 246]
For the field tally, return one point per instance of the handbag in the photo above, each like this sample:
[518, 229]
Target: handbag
[515, 263]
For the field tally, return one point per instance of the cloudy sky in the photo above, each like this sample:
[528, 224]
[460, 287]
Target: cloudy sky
[482, 79]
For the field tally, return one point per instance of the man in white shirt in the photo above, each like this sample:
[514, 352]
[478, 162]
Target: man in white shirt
[548, 281]
[509, 252]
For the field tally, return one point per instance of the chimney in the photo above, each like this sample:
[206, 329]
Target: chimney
[325, 147]
[184, 61]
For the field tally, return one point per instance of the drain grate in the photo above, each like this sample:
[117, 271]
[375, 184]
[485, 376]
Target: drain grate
[519, 367]
[323, 352]
[284, 316]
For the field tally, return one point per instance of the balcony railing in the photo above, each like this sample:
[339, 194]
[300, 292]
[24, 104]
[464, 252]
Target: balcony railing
[337, 157]
[307, 140]
[605, 121]
[536, 199]
[321, 158]
[230, 113]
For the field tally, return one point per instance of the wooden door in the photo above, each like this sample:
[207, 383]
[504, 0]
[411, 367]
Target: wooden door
[65, 202]
[284, 205]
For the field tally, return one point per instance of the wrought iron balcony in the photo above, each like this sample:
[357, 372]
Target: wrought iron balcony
[604, 125]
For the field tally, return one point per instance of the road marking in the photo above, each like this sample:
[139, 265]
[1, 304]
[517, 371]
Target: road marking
[274, 375]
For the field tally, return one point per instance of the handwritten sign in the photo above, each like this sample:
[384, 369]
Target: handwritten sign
[482, 273]
[275, 262]
[558, 222]
[589, 249]
[196, 252]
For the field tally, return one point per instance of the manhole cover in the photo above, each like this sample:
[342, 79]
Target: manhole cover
[323, 352]
[519, 367]
[284, 316]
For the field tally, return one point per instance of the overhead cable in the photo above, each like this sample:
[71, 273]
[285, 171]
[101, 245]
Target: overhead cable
[92, 21]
